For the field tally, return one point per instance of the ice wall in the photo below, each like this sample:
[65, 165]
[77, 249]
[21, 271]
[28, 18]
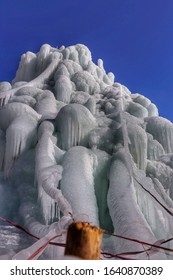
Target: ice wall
[76, 143]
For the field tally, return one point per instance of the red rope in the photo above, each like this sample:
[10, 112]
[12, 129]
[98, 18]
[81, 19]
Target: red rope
[142, 242]
[111, 255]
[120, 255]
[166, 209]
[27, 232]
[39, 250]
[18, 226]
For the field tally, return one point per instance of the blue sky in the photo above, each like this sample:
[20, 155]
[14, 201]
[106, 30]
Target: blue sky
[133, 37]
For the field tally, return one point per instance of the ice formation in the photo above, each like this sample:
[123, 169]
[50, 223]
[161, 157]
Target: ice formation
[77, 145]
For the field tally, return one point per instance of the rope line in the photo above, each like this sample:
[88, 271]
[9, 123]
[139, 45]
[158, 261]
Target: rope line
[110, 234]
[39, 250]
[166, 209]
[143, 242]
[27, 232]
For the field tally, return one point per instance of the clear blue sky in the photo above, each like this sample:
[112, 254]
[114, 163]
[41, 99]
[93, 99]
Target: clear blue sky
[133, 37]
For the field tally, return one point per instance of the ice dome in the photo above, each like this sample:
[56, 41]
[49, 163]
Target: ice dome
[74, 142]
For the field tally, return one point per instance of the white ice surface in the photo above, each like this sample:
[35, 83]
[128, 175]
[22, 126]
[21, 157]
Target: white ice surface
[64, 126]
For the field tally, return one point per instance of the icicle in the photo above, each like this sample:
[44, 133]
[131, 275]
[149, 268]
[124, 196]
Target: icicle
[48, 174]
[77, 121]
[20, 137]
[162, 131]
[125, 133]
[126, 215]
[49, 187]
[77, 183]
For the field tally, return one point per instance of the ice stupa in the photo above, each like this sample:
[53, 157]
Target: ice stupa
[75, 144]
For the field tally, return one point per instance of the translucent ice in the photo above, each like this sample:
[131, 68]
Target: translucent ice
[74, 122]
